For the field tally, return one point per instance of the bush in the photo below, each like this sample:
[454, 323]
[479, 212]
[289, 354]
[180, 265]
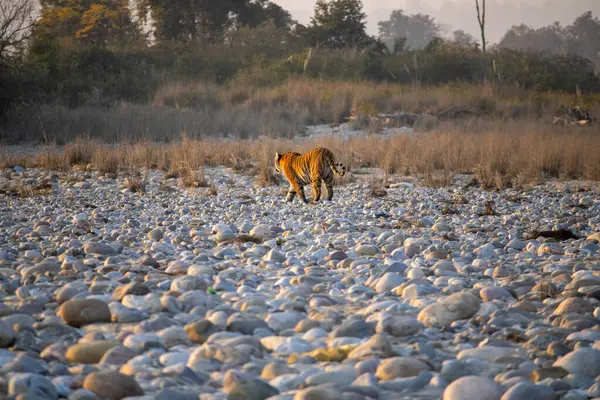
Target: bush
[235, 75]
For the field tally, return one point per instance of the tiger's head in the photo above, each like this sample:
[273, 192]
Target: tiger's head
[277, 161]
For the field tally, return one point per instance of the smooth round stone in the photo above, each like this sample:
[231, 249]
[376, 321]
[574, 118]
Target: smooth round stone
[490, 293]
[70, 290]
[134, 288]
[274, 369]
[399, 326]
[400, 367]
[486, 251]
[84, 311]
[368, 366]
[306, 324]
[275, 256]
[441, 227]
[415, 273]
[173, 336]
[142, 342]
[367, 250]
[314, 334]
[283, 320]
[342, 377]
[378, 346]
[388, 281]
[248, 388]
[243, 323]
[7, 335]
[98, 248]
[34, 385]
[188, 282]
[473, 388]
[112, 385]
[90, 352]
[585, 361]
[118, 356]
[415, 291]
[353, 328]
[574, 305]
[225, 234]
[453, 308]
[293, 346]
[490, 353]
[594, 390]
[174, 358]
[318, 393]
[149, 303]
[261, 232]
[155, 323]
[200, 331]
[529, 391]
[454, 369]
[155, 234]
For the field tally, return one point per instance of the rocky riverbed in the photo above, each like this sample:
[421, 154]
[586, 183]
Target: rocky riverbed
[229, 293]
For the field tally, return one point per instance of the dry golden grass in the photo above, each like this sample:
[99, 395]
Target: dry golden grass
[23, 191]
[108, 161]
[51, 159]
[136, 182]
[80, 152]
[192, 178]
[498, 154]
[510, 142]
[246, 111]
[264, 156]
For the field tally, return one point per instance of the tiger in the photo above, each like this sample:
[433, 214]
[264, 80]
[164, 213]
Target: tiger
[314, 167]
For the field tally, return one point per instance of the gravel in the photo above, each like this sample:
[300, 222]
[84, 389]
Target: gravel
[181, 293]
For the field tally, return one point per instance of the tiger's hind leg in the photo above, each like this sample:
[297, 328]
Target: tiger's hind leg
[329, 189]
[316, 186]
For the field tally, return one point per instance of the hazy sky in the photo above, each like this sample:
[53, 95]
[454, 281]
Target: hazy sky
[460, 14]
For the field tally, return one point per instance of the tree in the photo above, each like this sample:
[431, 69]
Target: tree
[257, 12]
[462, 38]
[89, 22]
[481, 21]
[186, 20]
[16, 21]
[584, 37]
[552, 38]
[417, 30]
[209, 20]
[264, 40]
[338, 24]
[581, 38]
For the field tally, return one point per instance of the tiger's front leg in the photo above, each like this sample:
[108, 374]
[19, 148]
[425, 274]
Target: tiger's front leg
[291, 194]
[299, 190]
[295, 187]
[301, 194]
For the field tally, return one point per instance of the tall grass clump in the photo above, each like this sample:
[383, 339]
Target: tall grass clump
[496, 153]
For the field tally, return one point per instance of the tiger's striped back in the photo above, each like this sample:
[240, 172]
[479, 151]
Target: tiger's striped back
[317, 162]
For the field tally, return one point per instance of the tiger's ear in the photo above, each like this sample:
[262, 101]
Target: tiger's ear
[278, 156]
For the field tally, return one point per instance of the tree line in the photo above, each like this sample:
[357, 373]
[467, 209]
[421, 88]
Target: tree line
[102, 51]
